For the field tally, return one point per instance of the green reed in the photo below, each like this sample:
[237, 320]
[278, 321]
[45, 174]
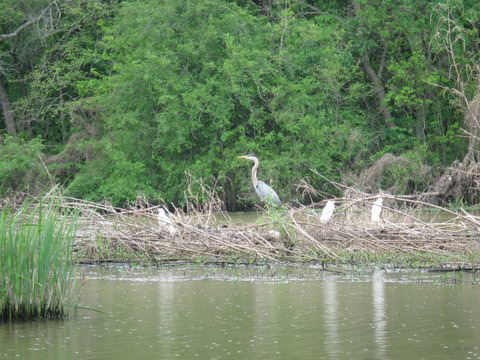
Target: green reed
[36, 269]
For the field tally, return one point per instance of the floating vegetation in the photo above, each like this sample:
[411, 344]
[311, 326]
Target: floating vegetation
[405, 232]
[400, 234]
[37, 273]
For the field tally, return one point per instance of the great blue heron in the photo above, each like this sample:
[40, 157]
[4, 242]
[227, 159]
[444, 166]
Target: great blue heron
[265, 192]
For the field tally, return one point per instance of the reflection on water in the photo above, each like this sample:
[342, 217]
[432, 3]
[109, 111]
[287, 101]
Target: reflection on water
[379, 313]
[331, 318]
[171, 316]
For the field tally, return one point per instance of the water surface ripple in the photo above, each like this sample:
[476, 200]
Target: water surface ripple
[173, 315]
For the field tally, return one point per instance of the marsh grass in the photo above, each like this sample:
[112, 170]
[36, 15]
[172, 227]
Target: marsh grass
[37, 272]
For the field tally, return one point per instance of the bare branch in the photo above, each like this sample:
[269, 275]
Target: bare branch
[382, 60]
[315, 10]
[27, 23]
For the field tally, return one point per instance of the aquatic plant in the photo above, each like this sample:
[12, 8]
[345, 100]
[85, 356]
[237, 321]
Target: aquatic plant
[37, 273]
[450, 277]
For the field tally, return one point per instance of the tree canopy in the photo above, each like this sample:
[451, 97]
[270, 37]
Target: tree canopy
[121, 98]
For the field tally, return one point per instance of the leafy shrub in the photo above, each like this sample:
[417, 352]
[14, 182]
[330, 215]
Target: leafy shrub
[20, 166]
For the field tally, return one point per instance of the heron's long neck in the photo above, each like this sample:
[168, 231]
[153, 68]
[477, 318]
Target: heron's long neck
[254, 174]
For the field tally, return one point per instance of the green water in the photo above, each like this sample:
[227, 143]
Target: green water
[246, 218]
[237, 314]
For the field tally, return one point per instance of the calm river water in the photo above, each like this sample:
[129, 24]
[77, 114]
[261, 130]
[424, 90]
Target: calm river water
[239, 314]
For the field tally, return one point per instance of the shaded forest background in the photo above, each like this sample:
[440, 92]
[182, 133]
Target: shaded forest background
[116, 99]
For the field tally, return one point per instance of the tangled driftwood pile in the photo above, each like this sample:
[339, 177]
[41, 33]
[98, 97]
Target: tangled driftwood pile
[295, 234]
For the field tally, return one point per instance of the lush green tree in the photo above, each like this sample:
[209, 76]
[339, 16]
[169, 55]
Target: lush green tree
[129, 97]
[24, 25]
[51, 54]
[194, 84]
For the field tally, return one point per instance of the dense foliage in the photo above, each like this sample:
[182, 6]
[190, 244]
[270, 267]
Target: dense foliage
[127, 98]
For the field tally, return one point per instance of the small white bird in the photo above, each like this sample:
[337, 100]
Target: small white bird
[327, 211]
[377, 210]
[164, 221]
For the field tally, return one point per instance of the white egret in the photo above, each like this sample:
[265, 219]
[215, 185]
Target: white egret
[164, 221]
[327, 211]
[377, 210]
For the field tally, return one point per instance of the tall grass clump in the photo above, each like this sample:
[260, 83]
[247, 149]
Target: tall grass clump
[37, 272]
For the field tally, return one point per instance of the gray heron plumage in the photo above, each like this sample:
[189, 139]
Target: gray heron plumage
[265, 192]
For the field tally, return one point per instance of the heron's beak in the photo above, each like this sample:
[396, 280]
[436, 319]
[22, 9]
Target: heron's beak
[242, 157]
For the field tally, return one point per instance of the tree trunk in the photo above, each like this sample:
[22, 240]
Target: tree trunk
[7, 112]
[376, 75]
[472, 125]
[376, 79]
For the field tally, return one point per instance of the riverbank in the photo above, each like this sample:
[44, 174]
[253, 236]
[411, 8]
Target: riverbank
[402, 237]
[349, 264]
